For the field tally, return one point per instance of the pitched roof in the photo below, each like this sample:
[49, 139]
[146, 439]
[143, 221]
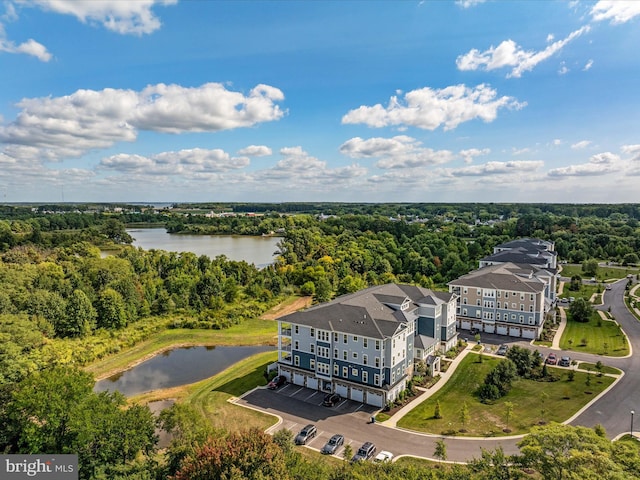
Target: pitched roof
[507, 276]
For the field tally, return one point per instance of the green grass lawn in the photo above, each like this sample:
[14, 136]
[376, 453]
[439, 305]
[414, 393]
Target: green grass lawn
[562, 399]
[586, 291]
[603, 273]
[592, 367]
[597, 336]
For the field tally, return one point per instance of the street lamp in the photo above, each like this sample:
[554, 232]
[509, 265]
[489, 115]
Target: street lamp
[632, 413]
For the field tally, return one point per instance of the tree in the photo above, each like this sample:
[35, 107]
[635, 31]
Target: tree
[590, 267]
[436, 411]
[80, 317]
[464, 415]
[580, 310]
[522, 358]
[347, 453]
[111, 310]
[495, 465]
[441, 450]
[508, 411]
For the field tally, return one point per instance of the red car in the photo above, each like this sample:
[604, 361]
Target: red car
[277, 382]
[552, 359]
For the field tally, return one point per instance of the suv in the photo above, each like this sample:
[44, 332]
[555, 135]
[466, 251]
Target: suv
[552, 359]
[365, 452]
[277, 382]
[333, 444]
[565, 362]
[306, 434]
[331, 399]
[502, 350]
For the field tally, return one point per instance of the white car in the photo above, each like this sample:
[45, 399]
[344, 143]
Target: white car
[383, 457]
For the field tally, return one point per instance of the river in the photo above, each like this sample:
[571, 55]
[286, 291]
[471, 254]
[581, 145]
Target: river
[257, 250]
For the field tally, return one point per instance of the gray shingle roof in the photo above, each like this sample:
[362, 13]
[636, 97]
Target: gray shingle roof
[508, 276]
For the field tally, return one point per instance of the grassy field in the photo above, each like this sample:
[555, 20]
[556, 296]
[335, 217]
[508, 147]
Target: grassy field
[249, 332]
[586, 291]
[210, 397]
[561, 400]
[596, 336]
[592, 367]
[603, 274]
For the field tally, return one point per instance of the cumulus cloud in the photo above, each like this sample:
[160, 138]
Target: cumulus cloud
[497, 168]
[580, 145]
[633, 150]
[429, 109]
[398, 152]
[134, 18]
[183, 162]
[255, 151]
[471, 153]
[618, 11]
[509, 54]
[30, 47]
[599, 164]
[54, 128]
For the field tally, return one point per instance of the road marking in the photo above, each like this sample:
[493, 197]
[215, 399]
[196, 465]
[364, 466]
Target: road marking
[359, 407]
[342, 403]
[294, 393]
[309, 397]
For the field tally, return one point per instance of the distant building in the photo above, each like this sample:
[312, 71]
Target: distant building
[363, 345]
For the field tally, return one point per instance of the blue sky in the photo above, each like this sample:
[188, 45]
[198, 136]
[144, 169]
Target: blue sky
[360, 101]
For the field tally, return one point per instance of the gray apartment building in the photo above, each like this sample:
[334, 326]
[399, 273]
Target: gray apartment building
[363, 345]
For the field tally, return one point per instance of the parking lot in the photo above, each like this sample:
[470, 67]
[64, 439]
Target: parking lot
[299, 406]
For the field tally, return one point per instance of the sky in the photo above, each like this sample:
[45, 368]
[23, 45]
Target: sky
[342, 101]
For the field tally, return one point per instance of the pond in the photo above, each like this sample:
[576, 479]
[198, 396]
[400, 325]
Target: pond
[177, 367]
[257, 250]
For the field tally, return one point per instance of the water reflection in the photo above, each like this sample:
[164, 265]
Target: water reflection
[177, 367]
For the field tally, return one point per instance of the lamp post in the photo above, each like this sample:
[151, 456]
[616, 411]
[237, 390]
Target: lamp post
[632, 414]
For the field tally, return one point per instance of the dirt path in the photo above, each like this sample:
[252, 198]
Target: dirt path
[287, 308]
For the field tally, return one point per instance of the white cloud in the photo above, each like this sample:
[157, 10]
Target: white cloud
[563, 70]
[30, 47]
[520, 151]
[550, 38]
[124, 17]
[633, 150]
[509, 54]
[63, 127]
[255, 151]
[469, 3]
[497, 168]
[428, 108]
[580, 145]
[599, 164]
[468, 155]
[557, 142]
[587, 66]
[618, 11]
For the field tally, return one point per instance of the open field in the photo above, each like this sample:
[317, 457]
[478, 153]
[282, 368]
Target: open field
[607, 339]
[604, 369]
[603, 274]
[560, 401]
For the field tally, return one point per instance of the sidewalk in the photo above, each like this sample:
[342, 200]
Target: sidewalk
[444, 378]
[555, 345]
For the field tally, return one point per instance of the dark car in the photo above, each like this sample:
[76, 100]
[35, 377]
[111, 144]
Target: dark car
[277, 382]
[365, 452]
[502, 350]
[306, 434]
[331, 400]
[474, 331]
[333, 444]
[565, 362]
[552, 359]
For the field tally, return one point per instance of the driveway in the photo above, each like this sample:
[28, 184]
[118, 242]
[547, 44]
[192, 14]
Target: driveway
[297, 406]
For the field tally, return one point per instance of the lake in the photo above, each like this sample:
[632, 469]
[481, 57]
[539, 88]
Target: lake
[257, 250]
[177, 367]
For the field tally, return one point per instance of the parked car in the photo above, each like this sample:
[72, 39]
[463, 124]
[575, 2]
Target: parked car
[331, 399]
[565, 362]
[277, 382]
[306, 434]
[474, 331]
[502, 350]
[333, 444]
[365, 452]
[552, 359]
[608, 287]
[383, 457]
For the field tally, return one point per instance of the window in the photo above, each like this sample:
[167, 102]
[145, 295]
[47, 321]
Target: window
[345, 372]
[312, 364]
[335, 353]
[365, 343]
[478, 302]
[479, 291]
[531, 308]
[312, 348]
[297, 329]
[323, 336]
[323, 352]
[497, 316]
[464, 312]
[365, 377]
[521, 318]
[531, 297]
[296, 345]
[506, 294]
[376, 379]
[355, 355]
[464, 301]
[377, 362]
[323, 368]
[522, 307]
[478, 313]
[365, 359]
[355, 338]
[530, 320]
[336, 369]
[464, 290]
[522, 296]
[393, 377]
[499, 293]
[498, 305]
[296, 360]
[335, 337]
[377, 344]
[513, 306]
[313, 332]
[344, 355]
[354, 372]
[344, 338]
[513, 316]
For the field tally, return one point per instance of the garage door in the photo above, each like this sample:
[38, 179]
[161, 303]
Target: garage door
[312, 383]
[374, 399]
[514, 331]
[466, 325]
[341, 390]
[357, 394]
[490, 328]
[501, 330]
[529, 333]
[298, 379]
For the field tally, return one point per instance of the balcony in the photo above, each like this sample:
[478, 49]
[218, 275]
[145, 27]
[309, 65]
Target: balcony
[285, 332]
[285, 348]
[284, 357]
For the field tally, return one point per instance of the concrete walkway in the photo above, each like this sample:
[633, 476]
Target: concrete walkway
[555, 345]
[444, 378]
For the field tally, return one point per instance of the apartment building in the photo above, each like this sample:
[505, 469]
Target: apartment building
[506, 299]
[363, 345]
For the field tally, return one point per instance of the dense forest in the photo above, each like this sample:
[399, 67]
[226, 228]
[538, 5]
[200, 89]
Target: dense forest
[63, 304]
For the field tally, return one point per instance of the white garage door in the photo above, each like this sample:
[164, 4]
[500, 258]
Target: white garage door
[501, 330]
[477, 325]
[466, 325]
[528, 333]
[374, 399]
[514, 331]
[357, 394]
[312, 383]
[341, 390]
[490, 328]
[298, 379]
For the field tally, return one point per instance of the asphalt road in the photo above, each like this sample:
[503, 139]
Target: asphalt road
[298, 407]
